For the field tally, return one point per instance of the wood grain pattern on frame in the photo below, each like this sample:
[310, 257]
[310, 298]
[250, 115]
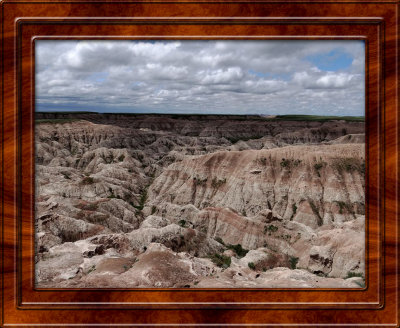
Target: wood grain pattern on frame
[375, 22]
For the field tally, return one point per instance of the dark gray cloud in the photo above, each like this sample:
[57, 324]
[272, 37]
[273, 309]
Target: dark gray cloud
[265, 77]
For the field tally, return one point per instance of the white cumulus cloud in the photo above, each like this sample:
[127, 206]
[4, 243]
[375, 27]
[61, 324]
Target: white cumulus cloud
[223, 76]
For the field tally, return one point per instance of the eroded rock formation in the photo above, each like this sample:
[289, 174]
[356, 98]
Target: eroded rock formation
[198, 201]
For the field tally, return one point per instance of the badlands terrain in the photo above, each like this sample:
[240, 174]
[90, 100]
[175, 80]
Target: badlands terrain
[196, 201]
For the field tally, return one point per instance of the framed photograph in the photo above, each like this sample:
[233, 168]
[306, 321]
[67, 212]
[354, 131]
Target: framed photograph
[199, 164]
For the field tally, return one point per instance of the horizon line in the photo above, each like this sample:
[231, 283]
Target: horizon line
[178, 113]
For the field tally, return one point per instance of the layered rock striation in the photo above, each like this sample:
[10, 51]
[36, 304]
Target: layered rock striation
[199, 201]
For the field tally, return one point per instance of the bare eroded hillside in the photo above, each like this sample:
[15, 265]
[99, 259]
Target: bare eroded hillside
[198, 201]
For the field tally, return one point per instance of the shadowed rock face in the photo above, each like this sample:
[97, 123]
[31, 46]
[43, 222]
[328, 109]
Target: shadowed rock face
[198, 201]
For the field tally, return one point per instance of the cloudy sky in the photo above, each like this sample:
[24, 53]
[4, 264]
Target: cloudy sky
[236, 77]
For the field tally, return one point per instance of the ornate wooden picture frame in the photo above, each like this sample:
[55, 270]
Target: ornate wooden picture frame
[375, 22]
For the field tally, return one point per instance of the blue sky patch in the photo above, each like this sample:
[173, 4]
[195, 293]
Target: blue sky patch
[98, 77]
[334, 60]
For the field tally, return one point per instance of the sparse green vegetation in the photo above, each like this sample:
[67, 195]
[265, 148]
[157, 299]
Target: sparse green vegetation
[199, 181]
[318, 166]
[349, 164]
[289, 163]
[285, 162]
[271, 228]
[294, 210]
[262, 161]
[70, 235]
[314, 208]
[345, 206]
[142, 200]
[234, 140]
[216, 183]
[296, 162]
[251, 265]
[95, 218]
[108, 159]
[285, 237]
[351, 274]
[319, 118]
[362, 168]
[293, 262]
[92, 268]
[89, 207]
[360, 283]
[221, 260]
[113, 195]
[87, 181]
[205, 185]
[239, 250]
[219, 239]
